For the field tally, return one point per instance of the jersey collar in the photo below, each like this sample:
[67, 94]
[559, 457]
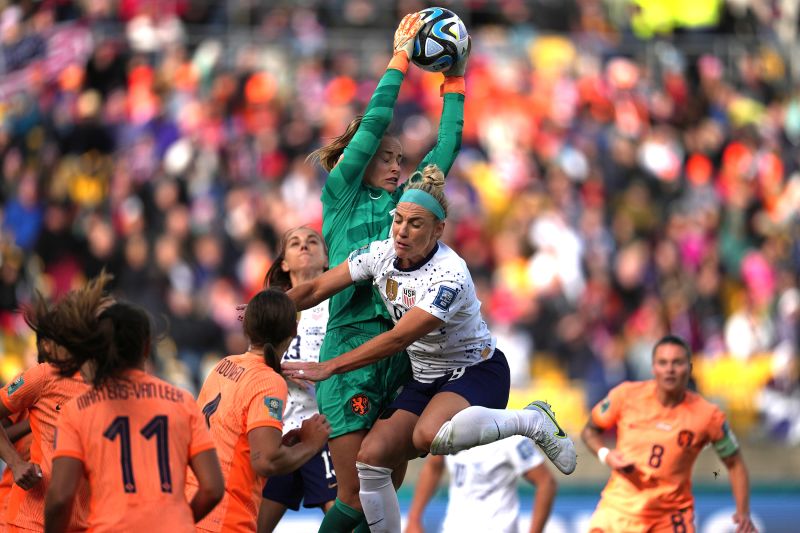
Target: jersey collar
[418, 265]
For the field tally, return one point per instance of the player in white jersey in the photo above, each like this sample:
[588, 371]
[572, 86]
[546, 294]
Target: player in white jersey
[302, 256]
[483, 493]
[459, 390]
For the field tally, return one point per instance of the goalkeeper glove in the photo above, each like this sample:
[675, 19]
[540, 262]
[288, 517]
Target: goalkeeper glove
[404, 40]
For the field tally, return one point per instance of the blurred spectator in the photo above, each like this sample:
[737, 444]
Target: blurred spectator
[632, 175]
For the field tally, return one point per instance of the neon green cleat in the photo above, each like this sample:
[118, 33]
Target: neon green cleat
[553, 440]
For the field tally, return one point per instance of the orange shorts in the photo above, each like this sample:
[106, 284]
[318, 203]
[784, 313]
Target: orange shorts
[608, 520]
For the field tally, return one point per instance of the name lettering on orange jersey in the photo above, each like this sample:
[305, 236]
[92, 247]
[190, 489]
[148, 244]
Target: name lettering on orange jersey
[230, 370]
[124, 391]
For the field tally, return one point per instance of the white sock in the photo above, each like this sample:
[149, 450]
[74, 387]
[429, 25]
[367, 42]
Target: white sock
[378, 498]
[477, 425]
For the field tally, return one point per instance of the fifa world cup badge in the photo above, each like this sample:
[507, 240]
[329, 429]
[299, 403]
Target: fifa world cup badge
[391, 289]
[274, 406]
[16, 384]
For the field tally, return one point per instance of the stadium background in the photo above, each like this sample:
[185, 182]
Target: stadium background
[629, 167]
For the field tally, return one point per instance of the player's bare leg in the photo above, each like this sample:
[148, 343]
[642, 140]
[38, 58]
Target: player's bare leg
[346, 512]
[269, 514]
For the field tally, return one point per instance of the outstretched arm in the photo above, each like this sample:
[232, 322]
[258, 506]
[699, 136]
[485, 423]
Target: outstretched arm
[378, 115]
[414, 325]
[451, 123]
[427, 483]
[307, 295]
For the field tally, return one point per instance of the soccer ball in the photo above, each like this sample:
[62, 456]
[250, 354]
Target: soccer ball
[441, 41]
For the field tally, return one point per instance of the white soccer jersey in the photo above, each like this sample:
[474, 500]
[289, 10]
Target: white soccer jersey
[483, 485]
[301, 403]
[443, 287]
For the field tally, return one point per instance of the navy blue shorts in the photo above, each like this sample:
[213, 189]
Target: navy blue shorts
[486, 384]
[314, 484]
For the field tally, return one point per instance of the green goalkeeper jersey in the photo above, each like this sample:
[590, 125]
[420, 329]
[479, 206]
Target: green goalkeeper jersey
[355, 214]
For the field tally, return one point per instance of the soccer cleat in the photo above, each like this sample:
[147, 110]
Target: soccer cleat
[553, 440]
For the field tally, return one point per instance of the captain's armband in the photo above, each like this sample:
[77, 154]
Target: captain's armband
[728, 444]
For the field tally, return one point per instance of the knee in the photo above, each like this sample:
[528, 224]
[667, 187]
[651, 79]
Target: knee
[423, 436]
[372, 452]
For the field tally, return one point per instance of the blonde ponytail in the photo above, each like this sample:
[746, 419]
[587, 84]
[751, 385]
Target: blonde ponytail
[431, 181]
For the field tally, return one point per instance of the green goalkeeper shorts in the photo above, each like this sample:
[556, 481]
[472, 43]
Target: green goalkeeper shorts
[353, 401]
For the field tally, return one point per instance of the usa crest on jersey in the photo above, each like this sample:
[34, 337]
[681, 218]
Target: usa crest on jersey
[409, 297]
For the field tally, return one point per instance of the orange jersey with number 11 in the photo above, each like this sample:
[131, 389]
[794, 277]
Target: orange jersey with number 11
[663, 444]
[135, 438]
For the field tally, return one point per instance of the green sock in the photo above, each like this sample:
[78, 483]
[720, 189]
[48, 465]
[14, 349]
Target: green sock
[341, 519]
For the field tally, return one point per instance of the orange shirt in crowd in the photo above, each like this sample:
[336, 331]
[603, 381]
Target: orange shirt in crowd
[23, 447]
[663, 444]
[241, 393]
[43, 393]
[135, 438]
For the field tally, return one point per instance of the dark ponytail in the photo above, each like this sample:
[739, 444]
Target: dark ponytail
[126, 329]
[113, 336]
[72, 323]
[270, 319]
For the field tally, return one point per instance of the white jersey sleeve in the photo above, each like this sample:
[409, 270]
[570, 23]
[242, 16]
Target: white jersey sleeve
[444, 298]
[365, 261]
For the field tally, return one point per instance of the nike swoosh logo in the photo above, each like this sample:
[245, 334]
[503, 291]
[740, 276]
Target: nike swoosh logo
[560, 433]
[375, 522]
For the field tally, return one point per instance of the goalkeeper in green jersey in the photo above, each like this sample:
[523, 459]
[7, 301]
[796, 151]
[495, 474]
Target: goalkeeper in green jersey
[358, 198]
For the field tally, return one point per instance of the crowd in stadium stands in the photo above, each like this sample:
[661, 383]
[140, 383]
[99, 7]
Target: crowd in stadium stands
[609, 189]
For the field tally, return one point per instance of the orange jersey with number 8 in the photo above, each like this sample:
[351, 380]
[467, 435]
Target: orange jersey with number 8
[135, 438]
[663, 444]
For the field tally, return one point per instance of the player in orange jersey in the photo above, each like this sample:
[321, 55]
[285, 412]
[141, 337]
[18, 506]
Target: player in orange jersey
[132, 434]
[243, 400]
[661, 428]
[41, 391]
[18, 430]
